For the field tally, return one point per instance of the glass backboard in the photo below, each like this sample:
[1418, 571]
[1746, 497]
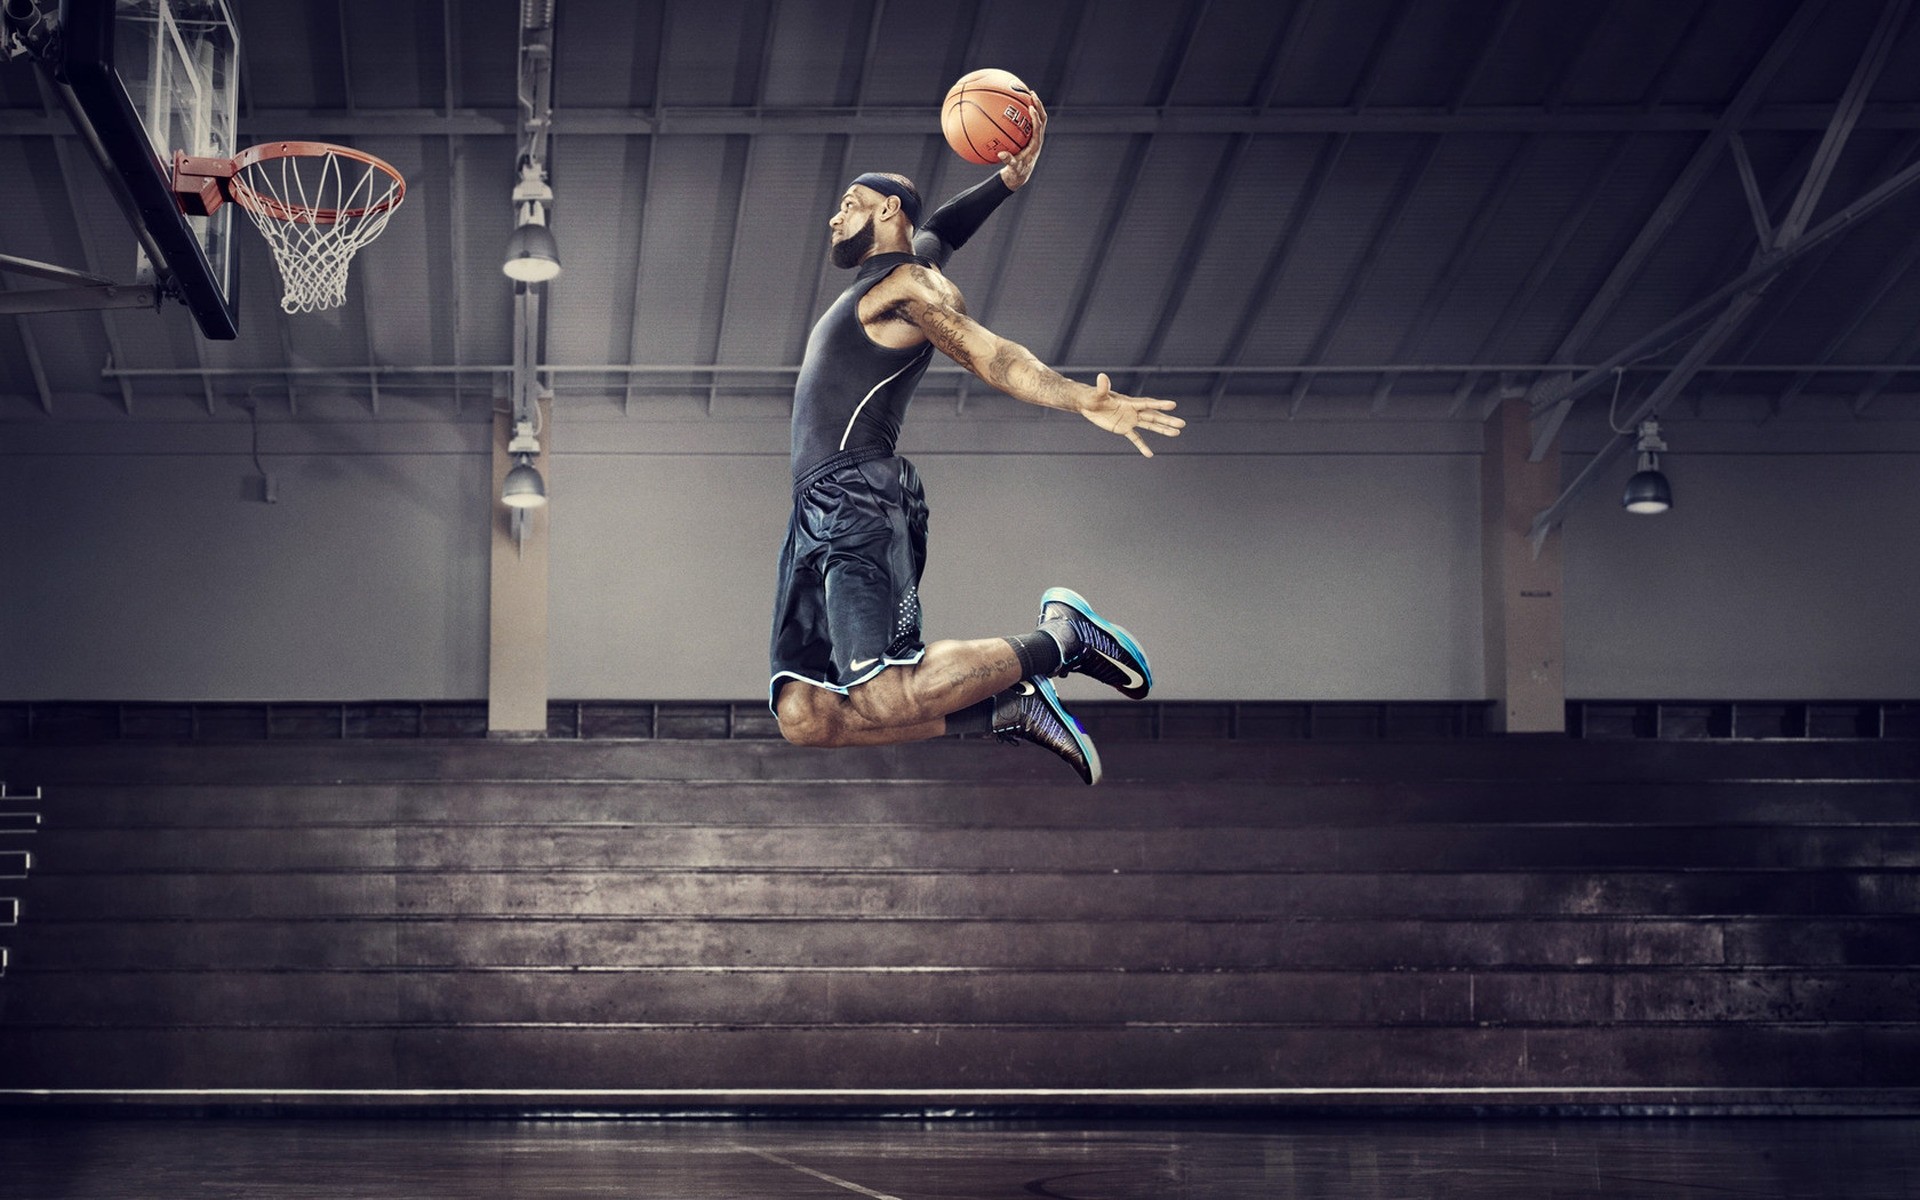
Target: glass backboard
[151, 77]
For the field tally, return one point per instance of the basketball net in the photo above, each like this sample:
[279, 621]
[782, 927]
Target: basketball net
[316, 210]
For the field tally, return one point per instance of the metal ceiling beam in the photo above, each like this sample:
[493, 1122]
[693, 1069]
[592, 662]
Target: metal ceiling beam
[740, 202]
[1750, 187]
[1550, 404]
[1357, 279]
[1206, 217]
[1391, 216]
[1846, 115]
[457, 190]
[1891, 276]
[69, 177]
[1282, 253]
[337, 123]
[1790, 233]
[823, 234]
[1214, 199]
[1769, 265]
[1120, 199]
[646, 206]
[358, 277]
[30, 347]
[1492, 201]
[1781, 300]
[1904, 353]
[1052, 85]
[1569, 225]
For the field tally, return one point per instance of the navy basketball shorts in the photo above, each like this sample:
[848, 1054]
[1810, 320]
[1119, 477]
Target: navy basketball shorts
[848, 601]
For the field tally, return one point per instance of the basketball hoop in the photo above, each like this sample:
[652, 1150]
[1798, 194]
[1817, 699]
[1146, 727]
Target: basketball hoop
[315, 203]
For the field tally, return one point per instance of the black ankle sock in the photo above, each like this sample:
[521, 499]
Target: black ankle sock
[1063, 632]
[974, 718]
[1040, 652]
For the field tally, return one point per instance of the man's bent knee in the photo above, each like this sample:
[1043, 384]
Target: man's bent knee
[806, 717]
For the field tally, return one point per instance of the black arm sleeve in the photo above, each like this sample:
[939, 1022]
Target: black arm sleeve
[959, 219]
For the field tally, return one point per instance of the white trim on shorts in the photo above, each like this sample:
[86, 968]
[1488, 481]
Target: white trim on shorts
[773, 685]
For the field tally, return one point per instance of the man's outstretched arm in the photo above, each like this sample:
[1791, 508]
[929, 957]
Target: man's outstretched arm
[930, 302]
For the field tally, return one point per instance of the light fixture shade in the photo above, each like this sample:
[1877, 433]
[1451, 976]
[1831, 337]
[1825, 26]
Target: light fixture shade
[1647, 492]
[532, 254]
[524, 487]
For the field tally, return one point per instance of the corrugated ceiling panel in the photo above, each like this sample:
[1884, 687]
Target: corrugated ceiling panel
[1055, 244]
[600, 201]
[1901, 84]
[39, 225]
[404, 280]
[1725, 46]
[487, 38]
[1823, 63]
[1230, 53]
[1035, 39]
[18, 391]
[607, 54]
[1337, 232]
[1625, 49]
[714, 52]
[779, 249]
[818, 48]
[922, 49]
[484, 168]
[396, 51]
[1437, 215]
[1259, 204]
[1433, 45]
[687, 231]
[1533, 55]
[1566, 177]
[1325, 66]
[289, 59]
[1131, 43]
[1504, 256]
[1140, 263]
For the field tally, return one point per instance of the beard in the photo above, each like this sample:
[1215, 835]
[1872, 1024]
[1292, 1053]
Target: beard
[849, 251]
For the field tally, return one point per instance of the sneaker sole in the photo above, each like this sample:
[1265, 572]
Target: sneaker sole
[1080, 737]
[1074, 600]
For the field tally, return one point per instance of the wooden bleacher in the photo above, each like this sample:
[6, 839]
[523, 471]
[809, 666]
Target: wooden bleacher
[738, 925]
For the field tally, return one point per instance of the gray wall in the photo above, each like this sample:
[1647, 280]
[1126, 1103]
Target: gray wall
[1258, 560]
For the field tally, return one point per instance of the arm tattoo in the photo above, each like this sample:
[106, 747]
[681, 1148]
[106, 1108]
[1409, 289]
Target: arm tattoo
[944, 328]
[1012, 368]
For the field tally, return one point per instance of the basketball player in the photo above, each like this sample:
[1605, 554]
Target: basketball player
[849, 668]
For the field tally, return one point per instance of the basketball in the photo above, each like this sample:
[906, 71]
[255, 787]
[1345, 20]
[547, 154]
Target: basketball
[985, 112]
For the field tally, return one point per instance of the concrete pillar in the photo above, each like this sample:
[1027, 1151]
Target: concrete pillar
[517, 612]
[1522, 605]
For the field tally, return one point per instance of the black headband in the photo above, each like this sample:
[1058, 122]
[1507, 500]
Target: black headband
[909, 203]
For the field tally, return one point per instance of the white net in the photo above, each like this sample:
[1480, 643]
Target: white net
[316, 210]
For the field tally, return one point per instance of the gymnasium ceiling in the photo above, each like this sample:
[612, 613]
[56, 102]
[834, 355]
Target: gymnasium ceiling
[1372, 210]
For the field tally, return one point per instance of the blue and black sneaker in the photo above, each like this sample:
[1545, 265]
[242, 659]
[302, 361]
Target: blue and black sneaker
[1107, 652]
[1031, 712]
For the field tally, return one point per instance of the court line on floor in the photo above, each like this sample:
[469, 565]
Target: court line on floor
[820, 1175]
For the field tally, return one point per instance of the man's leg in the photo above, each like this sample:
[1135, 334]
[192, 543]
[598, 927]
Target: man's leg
[901, 703]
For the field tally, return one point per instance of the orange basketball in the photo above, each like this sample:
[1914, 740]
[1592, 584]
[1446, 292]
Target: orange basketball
[985, 112]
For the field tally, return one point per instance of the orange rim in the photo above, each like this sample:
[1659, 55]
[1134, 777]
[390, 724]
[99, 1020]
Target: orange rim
[280, 210]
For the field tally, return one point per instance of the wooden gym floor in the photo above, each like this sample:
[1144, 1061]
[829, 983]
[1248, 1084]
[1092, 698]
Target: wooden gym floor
[47, 1156]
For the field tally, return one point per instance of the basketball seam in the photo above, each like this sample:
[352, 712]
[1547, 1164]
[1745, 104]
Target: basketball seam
[961, 101]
